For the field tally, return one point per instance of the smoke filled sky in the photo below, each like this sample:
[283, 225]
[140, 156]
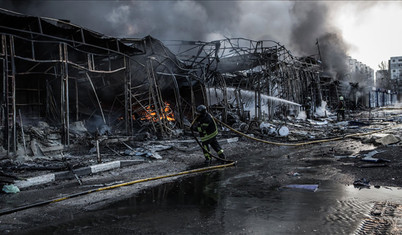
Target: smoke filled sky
[366, 30]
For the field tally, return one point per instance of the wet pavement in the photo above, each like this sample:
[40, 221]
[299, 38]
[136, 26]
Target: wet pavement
[239, 200]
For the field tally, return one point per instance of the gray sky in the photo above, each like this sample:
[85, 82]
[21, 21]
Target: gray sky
[366, 30]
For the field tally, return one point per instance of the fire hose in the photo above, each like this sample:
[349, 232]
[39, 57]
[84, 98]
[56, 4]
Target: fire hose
[230, 163]
[304, 143]
[9, 211]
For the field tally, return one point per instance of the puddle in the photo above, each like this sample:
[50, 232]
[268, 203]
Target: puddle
[224, 202]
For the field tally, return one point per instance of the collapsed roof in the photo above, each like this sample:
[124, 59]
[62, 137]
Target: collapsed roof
[57, 71]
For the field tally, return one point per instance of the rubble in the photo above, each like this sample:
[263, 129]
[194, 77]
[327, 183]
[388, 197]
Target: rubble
[369, 157]
[77, 129]
[307, 187]
[387, 140]
[362, 183]
[10, 188]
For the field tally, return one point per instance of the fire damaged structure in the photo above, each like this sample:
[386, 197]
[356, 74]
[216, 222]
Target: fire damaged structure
[59, 73]
[254, 78]
[55, 71]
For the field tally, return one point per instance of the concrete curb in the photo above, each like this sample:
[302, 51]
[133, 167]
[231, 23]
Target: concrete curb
[48, 178]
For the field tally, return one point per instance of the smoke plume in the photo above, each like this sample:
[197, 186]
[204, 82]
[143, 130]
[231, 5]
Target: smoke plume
[186, 20]
[302, 26]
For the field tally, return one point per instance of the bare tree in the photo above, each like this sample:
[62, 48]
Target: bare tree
[383, 76]
[383, 65]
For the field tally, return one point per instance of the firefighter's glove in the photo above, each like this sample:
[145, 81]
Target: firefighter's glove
[194, 127]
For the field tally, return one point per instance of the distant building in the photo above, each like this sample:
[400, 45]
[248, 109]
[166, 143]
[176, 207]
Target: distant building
[358, 82]
[395, 71]
[382, 79]
[395, 67]
[360, 72]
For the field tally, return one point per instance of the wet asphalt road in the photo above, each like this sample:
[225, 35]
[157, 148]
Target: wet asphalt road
[246, 199]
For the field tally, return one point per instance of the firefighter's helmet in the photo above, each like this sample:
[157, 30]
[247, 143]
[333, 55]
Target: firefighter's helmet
[201, 109]
[340, 97]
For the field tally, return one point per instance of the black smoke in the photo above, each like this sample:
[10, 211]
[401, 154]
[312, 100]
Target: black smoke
[309, 23]
[184, 20]
[305, 27]
[313, 34]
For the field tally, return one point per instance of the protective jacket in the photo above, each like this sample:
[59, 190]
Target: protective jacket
[206, 126]
[341, 105]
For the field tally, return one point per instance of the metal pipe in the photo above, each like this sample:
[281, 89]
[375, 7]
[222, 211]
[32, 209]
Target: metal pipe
[98, 152]
[66, 93]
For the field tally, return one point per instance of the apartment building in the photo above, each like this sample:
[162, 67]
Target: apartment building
[360, 72]
[395, 66]
[395, 71]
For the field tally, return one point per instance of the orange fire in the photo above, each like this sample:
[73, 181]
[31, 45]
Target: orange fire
[166, 113]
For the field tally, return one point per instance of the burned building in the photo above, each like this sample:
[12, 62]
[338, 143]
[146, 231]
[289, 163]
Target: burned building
[61, 73]
[58, 72]
[275, 81]
[55, 71]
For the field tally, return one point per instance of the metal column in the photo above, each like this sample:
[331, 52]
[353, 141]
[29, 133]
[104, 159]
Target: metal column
[10, 133]
[128, 104]
[64, 96]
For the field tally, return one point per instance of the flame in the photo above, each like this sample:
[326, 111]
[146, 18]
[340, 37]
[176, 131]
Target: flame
[166, 113]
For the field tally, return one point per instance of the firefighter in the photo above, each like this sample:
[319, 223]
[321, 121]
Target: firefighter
[206, 126]
[307, 107]
[341, 109]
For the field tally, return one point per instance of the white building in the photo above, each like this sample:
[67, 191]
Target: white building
[360, 72]
[395, 67]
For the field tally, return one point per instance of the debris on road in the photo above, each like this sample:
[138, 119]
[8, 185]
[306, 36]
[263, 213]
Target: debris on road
[10, 188]
[387, 140]
[362, 183]
[307, 187]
